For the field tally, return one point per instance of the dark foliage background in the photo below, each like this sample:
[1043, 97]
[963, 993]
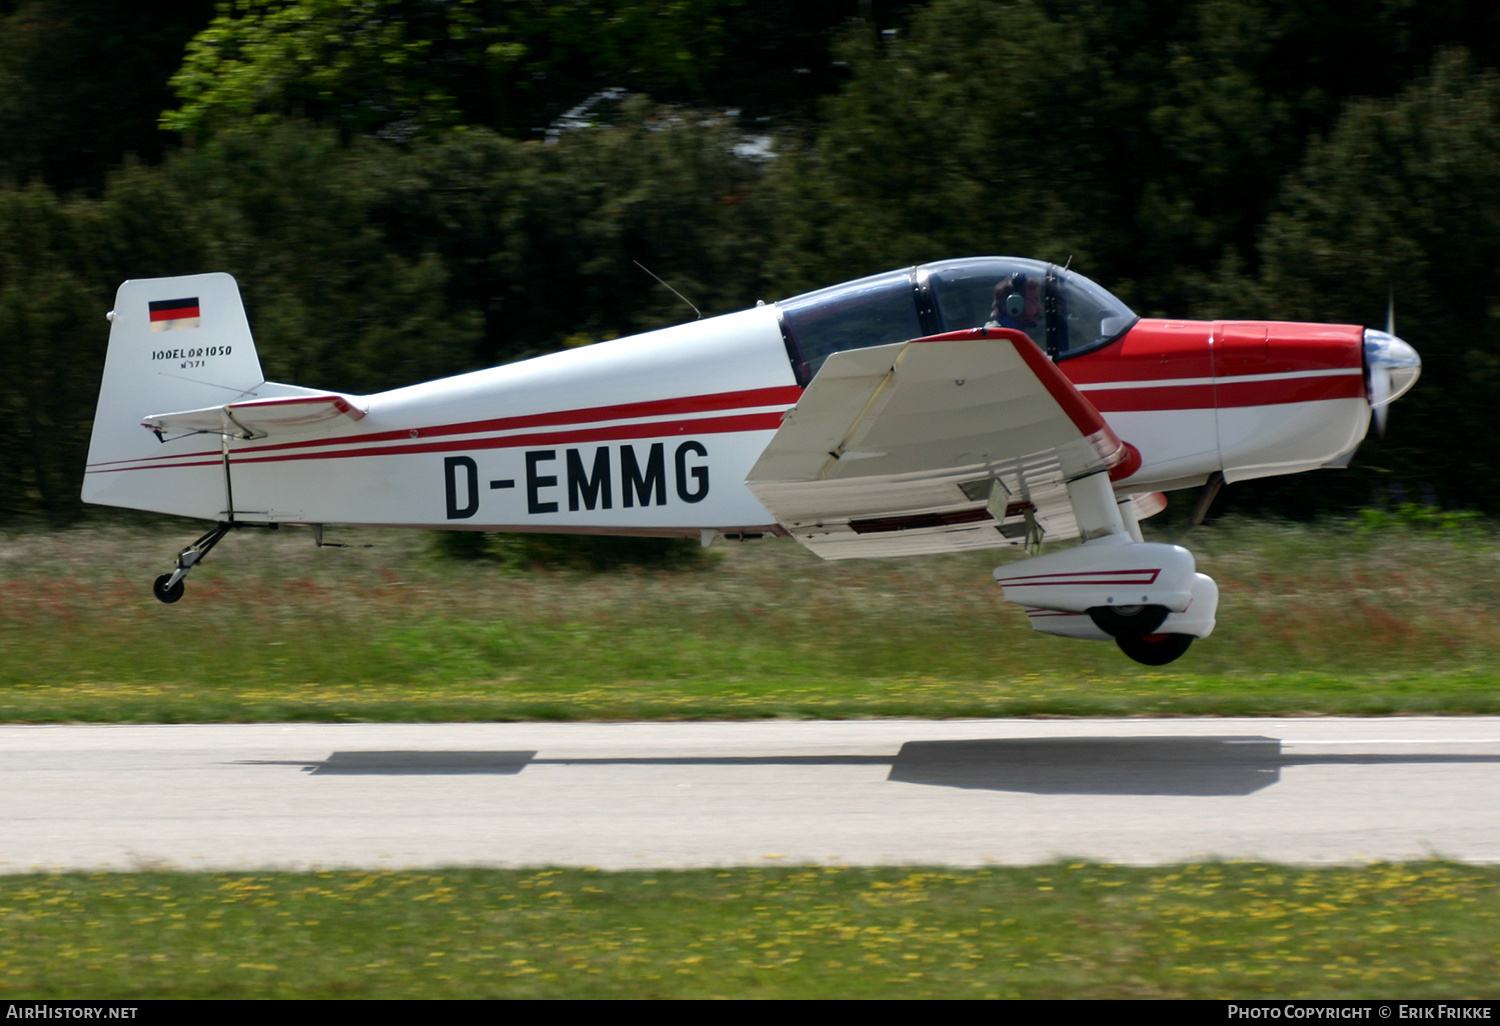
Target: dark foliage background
[450, 185]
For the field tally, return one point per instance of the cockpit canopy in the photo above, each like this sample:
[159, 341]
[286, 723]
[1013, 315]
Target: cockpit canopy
[1064, 313]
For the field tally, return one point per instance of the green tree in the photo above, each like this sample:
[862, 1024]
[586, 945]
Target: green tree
[366, 266]
[953, 138]
[1402, 200]
[1145, 138]
[543, 239]
[82, 83]
[288, 210]
[51, 352]
[395, 68]
[294, 215]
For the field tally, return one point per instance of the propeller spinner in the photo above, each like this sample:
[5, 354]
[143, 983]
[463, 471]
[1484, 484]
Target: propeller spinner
[1392, 366]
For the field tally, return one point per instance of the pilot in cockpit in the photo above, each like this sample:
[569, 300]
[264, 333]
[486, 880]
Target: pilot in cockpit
[1018, 304]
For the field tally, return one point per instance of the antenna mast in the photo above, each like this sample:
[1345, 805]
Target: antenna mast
[670, 289]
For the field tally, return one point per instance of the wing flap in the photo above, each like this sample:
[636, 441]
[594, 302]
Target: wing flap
[957, 441]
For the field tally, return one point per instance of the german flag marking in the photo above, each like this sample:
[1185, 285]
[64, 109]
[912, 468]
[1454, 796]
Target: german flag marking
[168, 314]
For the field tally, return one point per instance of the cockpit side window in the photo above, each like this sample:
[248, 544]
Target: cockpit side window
[998, 291]
[869, 312]
[1064, 313]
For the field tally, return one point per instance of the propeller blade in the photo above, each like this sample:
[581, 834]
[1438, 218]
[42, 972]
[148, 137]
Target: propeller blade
[1380, 376]
[1380, 398]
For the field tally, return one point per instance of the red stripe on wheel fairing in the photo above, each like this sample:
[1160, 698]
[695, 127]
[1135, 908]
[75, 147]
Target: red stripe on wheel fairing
[1091, 577]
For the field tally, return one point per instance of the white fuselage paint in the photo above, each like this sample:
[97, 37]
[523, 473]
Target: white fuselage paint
[652, 434]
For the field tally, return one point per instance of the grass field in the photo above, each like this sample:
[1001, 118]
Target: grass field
[1067, 930]
[1339, 618]
[1380, 614]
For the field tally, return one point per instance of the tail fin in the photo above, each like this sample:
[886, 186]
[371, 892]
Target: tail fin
[174, 344]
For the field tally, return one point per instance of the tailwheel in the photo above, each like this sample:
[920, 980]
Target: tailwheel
[167, 590]
[1155, 649]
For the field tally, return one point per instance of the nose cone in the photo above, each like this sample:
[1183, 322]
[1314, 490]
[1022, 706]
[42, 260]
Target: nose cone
[1392, 366]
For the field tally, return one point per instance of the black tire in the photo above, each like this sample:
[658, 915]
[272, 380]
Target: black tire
[1128, 621]
[1155, 649]
[165, 594]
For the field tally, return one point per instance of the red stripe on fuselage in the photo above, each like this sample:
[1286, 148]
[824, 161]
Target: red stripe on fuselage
[1211, 358]
[1150, 351]
[658, 429]
[781, 395]
[1226, 393]
[1233, 393]
[1156, 350]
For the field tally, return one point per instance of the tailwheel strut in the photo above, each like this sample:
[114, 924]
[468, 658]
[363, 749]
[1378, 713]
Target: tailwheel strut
[169, 587]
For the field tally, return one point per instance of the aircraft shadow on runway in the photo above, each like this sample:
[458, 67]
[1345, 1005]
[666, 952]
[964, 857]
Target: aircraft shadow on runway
[1208, 765]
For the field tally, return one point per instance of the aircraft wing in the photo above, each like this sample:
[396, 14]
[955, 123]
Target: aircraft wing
[958, 441]
[257, 418]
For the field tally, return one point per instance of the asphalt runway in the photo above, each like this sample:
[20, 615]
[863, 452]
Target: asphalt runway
[647, 795]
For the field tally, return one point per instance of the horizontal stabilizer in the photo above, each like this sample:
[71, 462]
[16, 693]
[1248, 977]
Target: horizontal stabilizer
[256, 418]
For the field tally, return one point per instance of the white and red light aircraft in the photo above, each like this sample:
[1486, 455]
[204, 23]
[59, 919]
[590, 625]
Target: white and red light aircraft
[964, 404]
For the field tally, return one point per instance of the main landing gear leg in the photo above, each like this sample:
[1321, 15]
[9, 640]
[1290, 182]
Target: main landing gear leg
[169, 587]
